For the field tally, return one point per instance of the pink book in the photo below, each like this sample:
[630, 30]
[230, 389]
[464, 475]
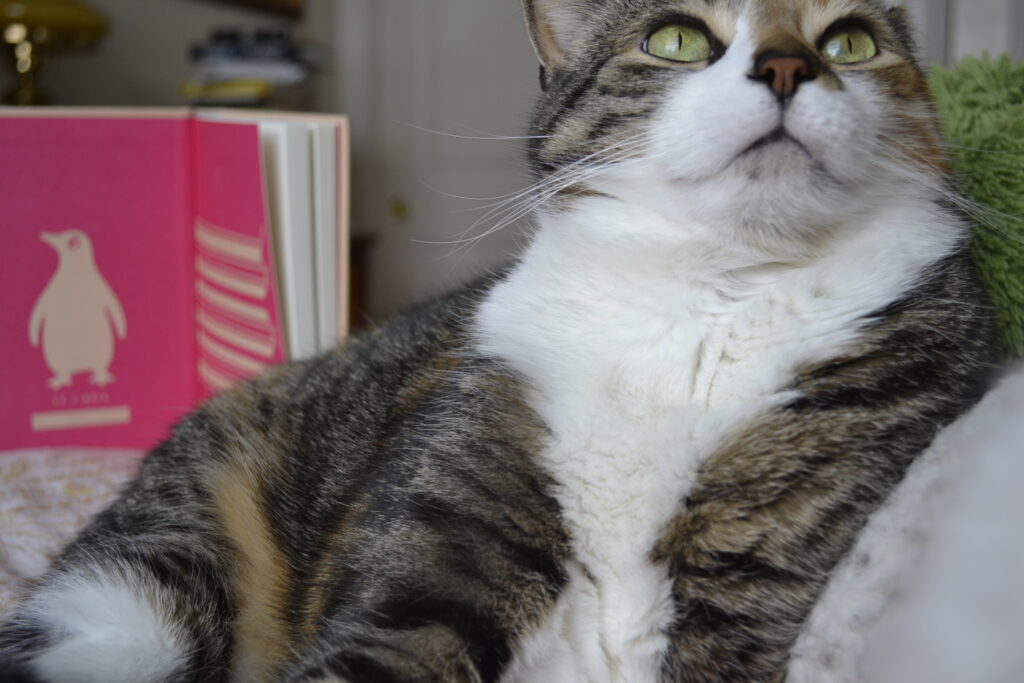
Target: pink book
[140, 273]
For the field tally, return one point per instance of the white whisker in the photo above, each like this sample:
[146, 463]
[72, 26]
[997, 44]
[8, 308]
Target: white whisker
[518, 205]
[919, 175]
[470, 137]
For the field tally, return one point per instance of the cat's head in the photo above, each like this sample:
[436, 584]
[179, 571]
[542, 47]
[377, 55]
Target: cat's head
[766, 118]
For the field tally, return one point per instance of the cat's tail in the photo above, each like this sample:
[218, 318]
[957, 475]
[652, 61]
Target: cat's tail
[93, 624]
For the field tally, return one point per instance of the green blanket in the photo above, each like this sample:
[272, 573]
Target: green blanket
[981, 104]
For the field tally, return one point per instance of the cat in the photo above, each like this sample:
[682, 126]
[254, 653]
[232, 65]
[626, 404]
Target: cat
[638, 453]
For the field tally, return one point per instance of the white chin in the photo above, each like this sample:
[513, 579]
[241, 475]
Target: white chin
[764, 172]
[785, 161]
[780, 182]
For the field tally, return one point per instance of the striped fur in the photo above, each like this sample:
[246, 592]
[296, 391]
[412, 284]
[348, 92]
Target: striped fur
[429, 502]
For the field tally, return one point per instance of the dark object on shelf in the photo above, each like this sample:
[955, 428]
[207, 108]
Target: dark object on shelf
[247, 68]
[289, 8]
[231, 43]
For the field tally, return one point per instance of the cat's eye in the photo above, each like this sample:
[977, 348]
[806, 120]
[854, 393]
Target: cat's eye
[848, 45]
[679, 43]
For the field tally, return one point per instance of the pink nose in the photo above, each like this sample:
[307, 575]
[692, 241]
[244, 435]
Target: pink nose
[784, 74]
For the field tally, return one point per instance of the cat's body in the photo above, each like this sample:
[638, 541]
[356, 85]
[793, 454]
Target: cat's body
[637, 455]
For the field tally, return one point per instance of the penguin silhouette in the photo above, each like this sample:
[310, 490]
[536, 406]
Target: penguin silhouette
[74, 314]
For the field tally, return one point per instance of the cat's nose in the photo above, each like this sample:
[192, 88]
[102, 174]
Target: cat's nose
[784, 73]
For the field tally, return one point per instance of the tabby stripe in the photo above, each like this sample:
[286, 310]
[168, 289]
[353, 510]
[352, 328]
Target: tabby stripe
[361, 667]
[568, 104]
[629, 91]
[609, 122]
[638, 70]
[488, 640]
[746, 565]
[443, 515]
[701, 615]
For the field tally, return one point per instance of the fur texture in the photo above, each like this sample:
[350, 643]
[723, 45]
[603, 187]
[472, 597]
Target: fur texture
[637, 455]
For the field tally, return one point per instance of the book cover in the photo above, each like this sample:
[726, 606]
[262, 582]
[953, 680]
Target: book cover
[138, 279]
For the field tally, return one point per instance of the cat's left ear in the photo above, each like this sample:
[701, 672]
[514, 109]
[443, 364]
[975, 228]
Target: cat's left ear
[552, 25]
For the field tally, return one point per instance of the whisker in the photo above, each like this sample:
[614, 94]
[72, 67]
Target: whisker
[490, 135]
[471, 137]
[984, 216]
[554, 179]
[441, 192]
[555, 184]
[523, 203]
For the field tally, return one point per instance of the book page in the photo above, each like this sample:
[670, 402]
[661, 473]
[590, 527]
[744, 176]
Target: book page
[324, 150]
[343, 160]
[286, 150]
[238, 321]
[97, 344]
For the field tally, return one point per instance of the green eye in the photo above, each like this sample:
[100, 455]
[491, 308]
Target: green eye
[680, 43]
[848, 45]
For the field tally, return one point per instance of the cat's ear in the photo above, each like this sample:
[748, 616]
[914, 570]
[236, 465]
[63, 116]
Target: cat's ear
[552, 24]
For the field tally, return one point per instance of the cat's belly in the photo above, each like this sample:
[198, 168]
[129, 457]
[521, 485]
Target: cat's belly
[607, 627]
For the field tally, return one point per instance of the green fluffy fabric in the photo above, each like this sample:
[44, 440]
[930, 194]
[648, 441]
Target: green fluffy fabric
[981, 105]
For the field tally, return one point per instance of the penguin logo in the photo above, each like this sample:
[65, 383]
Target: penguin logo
[75, 313]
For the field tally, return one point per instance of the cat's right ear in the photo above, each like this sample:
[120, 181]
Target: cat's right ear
[551, 24]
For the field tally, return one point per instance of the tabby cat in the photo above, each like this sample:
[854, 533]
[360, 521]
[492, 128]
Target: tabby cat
[637, 454]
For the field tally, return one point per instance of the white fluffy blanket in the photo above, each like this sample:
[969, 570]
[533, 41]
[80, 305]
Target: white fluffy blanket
[933, 592]
[45, 496]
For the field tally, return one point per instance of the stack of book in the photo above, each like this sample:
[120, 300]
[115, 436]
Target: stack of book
[155, 257]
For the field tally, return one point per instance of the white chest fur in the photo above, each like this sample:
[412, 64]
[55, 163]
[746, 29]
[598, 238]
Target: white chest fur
[643, 350]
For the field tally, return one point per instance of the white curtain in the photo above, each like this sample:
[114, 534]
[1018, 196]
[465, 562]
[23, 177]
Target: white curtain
[953, 29]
